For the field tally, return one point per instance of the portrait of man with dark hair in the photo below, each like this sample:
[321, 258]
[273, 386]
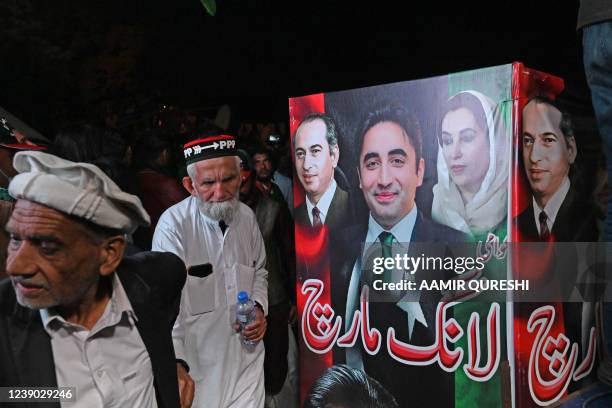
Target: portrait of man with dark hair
[316, 151]
[549, 150]
[390, 170]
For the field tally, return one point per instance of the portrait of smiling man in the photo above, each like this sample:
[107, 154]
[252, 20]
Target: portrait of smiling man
[549, 150]
[75, 312]
[316, 157]
[391, 168]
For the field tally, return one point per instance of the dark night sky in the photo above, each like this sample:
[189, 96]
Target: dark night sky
[256, 54]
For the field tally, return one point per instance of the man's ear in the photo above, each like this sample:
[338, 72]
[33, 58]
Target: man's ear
[359, 176]
[572, 149]
[335, 155]
[111, 253]
[420, 172]
[189, 185]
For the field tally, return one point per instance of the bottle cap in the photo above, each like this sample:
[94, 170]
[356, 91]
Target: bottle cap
[243, 297]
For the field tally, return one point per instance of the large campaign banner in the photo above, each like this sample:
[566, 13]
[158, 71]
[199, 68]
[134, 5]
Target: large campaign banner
[409, 198]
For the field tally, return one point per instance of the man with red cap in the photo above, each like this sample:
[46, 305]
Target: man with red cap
[218, 239]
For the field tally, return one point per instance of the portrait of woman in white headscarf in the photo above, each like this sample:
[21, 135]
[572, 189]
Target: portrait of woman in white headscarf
[472, 190]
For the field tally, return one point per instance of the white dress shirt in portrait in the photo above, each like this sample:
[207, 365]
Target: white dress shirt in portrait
[323, 204]
[552, 206]
[402, 233]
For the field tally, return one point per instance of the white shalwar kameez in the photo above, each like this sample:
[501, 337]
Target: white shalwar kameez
[225, 374]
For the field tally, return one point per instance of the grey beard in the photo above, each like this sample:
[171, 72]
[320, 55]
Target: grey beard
[218, 211]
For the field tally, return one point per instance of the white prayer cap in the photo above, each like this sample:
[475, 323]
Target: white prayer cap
[78, 189]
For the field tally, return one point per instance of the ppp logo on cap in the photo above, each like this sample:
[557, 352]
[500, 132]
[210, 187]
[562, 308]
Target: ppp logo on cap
[210, 147]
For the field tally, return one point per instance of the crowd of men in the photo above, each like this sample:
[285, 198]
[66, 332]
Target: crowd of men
[84, 306]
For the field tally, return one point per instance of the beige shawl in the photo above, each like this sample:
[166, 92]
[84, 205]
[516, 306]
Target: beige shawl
[489, 206]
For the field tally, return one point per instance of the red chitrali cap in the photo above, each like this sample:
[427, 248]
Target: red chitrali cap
[209, 148]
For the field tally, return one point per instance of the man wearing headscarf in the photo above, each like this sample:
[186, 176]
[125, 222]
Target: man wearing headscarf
[218, 239]
[75, 312]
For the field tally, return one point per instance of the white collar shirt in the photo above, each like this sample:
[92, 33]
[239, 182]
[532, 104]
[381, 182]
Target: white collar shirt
[108, 365]
[402, 233]
[552, 206]
[323, 204]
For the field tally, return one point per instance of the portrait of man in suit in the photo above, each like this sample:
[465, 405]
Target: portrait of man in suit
[549, 150]
[558, 211]
[391, 168]
[316, 157]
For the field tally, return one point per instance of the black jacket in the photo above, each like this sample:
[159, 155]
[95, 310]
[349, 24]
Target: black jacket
[575, 221]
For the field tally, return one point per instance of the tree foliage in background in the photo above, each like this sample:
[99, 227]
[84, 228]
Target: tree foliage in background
[210, 6]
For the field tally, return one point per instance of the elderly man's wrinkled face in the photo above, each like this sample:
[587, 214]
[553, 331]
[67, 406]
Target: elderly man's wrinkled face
[216, 180]
[52, 259]
[216, 183]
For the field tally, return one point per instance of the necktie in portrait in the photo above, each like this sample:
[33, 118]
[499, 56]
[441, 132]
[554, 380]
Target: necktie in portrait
[316, 218]
[544, 231]
[386, 241]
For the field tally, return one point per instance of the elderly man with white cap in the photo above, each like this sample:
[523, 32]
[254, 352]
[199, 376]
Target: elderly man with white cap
[75, 312]
[218, 239]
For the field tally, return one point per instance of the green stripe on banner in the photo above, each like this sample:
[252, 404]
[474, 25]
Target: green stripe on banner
[496, 83]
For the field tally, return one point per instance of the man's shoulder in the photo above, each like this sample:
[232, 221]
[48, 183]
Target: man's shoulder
[10, 307]
[275, 187]
[340, 210]
[575, 204]
[526, 225]
[7, 297]
[149, 260]
[268, 203]
[246, 217]
[301, 214]
[349, 239]
[427, 229]
[576, 219]
[282, 181]
[178, 212]
[340, 192]
[153, 270]
[245, 212]
[340, 196]
[182, 206]
[525, 217]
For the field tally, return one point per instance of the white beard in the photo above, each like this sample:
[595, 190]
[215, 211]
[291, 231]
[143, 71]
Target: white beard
[218, 211]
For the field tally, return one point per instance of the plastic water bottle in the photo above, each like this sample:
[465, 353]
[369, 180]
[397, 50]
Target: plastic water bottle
[245, 314]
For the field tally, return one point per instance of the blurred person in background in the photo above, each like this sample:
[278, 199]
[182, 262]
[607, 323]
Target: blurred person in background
[262, 164]
[277, 231]
[157, 186]
[11, 142]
